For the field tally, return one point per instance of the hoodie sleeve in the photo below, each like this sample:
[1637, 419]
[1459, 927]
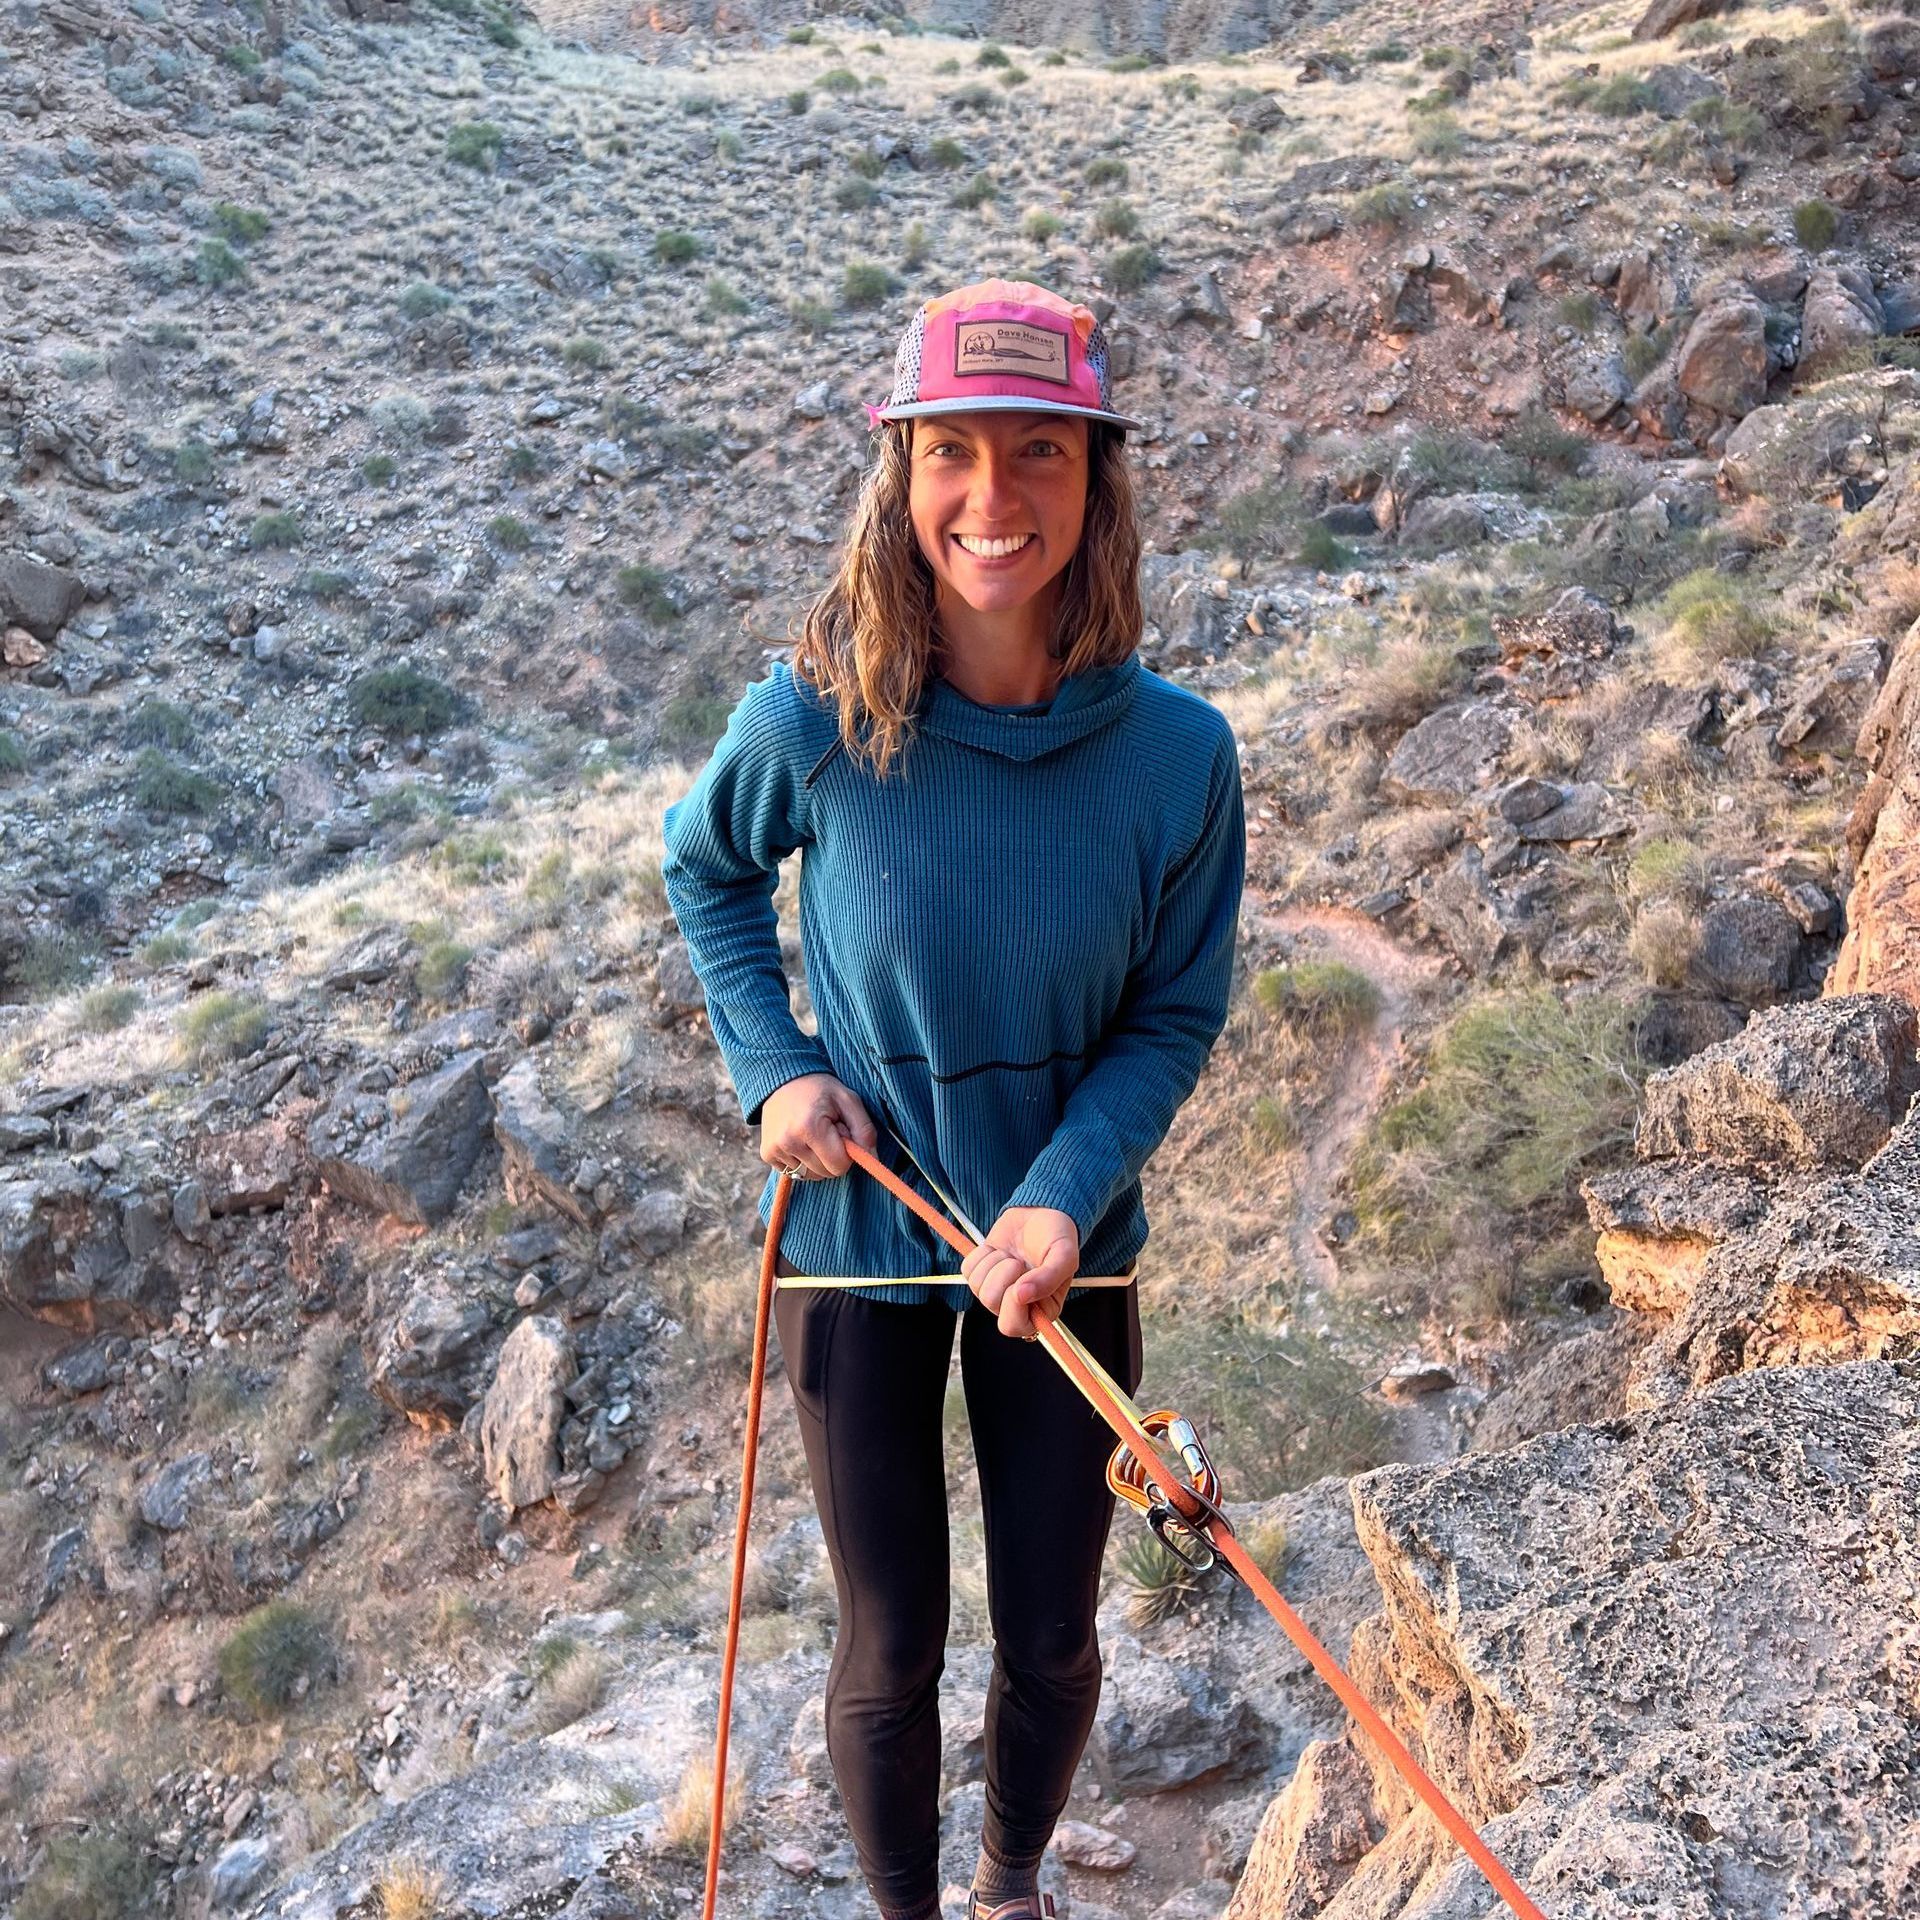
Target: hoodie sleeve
[724, 843]
[1173, 1009]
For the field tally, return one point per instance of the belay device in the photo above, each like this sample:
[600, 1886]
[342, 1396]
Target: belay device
[1181, 1504]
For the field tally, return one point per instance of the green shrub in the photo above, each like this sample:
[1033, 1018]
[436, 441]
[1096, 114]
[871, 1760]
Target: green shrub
[1579, 310]
[1181, 86]
[1105, 170]
[509, 533]
[276, 1654]
[1714, 614]
[946, 154]
[441, 970]
[164, 786]
[1159, 1583]
[1324, 998]
[727, 144]
[1732, 121]
[422, 300]
[584, 351]
[1386, 50]
[378, 468]
[326, 583]
[1541, 444]
[865, 284]
[13, 756]
[1130, 268]
[693, 720]
[239, 225]
[222, 1026]
[977, 98]
[798, 101]
[839, 80]
[501, 30]
[192, 463]
[108, 1008]
[1438, 136]
[165, 949]
[1523, 1095]
[854, 193]
[475, 143]
[799, 36]
[992, 55]
[239, 56]
[273, 532]
[86, 1876]
[1129, 63]
[914, 247]
[673, 247]
[1320, 548]
[1815, 223]
[402, 700]
[1014, 77]
[810, 316]
[158, 723]
[1039, 227]
[647, 590]
[217, 265]
[1115, 220]
[1384, 207]
[976, 193]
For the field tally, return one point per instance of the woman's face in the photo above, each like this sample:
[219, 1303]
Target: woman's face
[998, 501]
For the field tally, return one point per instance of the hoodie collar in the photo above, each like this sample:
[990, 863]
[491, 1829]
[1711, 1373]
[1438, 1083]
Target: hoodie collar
[1082, 704]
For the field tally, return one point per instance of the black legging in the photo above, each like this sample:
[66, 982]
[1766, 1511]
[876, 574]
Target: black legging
[869, 1378]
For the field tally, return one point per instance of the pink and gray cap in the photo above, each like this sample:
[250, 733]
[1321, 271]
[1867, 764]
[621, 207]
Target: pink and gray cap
[1001, 346]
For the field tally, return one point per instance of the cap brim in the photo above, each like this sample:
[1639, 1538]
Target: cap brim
[1000, 403]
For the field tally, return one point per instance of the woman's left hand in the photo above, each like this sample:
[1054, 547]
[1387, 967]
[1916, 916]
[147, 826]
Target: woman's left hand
[1030, 1254]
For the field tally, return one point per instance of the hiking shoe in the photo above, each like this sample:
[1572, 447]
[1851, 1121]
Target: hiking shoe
[1023, 1906]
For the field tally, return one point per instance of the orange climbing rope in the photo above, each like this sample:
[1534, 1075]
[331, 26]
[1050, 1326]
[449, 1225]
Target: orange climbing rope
[1188, 1507]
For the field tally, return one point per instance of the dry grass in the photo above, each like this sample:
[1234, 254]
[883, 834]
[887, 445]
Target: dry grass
[572, 1689]
[1665, 943]
[687, 1822]
[408, 1891]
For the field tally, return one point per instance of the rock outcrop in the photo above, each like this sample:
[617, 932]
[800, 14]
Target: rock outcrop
[1667, 1661]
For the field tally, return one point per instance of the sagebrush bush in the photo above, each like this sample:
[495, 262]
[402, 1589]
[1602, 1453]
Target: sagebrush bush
[221, 1026]
[277, 1654]
[1325, 998]
[475, 143]
[403, 700]
[162, 785]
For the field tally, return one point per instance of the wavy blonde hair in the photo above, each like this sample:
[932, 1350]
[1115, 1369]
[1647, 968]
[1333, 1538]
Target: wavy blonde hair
[869, 642]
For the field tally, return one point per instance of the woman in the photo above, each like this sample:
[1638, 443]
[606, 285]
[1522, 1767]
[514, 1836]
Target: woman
[1018, 903]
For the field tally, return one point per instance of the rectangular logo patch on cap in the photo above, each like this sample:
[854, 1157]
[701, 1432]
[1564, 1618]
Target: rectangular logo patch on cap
[1011, 347]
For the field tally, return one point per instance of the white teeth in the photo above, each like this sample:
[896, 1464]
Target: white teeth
[992, 549]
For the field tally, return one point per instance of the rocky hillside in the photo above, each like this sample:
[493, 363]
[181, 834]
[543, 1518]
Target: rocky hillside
[402, 473]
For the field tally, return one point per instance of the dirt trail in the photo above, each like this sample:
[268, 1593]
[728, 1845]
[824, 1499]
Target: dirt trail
[1333, 934]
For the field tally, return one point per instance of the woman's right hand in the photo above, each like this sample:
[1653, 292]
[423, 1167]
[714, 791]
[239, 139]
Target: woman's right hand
[805, 1125]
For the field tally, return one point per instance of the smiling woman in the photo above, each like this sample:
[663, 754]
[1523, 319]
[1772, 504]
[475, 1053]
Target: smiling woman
[1019, 890]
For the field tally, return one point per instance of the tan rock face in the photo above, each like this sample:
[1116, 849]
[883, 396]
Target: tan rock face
[520, 1424]
[1881, 951]
[1649, 1274]
[1677, 1649]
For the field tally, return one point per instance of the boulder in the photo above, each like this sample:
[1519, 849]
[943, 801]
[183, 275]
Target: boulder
[39, 598]
[1165, 1723]
[418, 1361]
[1840, 313]
[525, 1406]
[1663, 1661]
[414, 1165]
[1723, 363]
[1312, 1837]
[1669, 16]
[536, 1151]
[1830, 1273]
[1656, 1225]
[1449, 756]
[1801, 1088]
[166, 1499]
[1881, 950]
[1748, 948]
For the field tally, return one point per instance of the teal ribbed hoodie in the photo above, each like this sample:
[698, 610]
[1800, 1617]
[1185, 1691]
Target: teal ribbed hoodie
[1019, 947]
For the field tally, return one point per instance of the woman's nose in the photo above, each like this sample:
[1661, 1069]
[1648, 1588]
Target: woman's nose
[993, 493]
